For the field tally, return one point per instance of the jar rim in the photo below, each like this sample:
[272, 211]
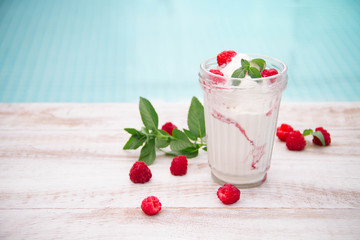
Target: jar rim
[281, 63]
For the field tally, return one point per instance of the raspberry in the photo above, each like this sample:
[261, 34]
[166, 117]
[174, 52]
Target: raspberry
[225, 57]
[269, 72]
[179, 166]
[228, 194]
[217, 80]
[140, 173]
[168, 127]
[326, 135]
[283, 131]
[295, 141]
[151, 205]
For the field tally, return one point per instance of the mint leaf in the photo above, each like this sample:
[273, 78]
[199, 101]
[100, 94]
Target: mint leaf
[132, 131]
[190, 135]
[236, 82]
[171, 153]
[196, 119]
[148, 114]
[180, 141]
[320, 136]
[162, 139]
[245, 63]
[317, 134]
[307, 132]
[258, 63]
[254, 72]
[239, 73]
[148, 152]
[162, 143]
[189, 154]
[145, 131]
[134, 142]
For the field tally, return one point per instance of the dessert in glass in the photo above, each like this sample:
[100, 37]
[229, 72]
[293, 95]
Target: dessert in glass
[242, 94]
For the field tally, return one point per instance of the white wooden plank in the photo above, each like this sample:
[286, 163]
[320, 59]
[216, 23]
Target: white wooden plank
[119, 115]
[180, 223]
[344, 115]
[62, 183]
[108, 144]
[72, 116]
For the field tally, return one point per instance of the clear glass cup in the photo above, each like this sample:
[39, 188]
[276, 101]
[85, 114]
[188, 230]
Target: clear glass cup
[240, 118]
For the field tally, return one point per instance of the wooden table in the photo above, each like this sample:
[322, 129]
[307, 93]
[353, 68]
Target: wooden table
[64, 175]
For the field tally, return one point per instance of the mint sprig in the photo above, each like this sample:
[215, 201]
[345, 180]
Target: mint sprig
[317, 134]
[253, 68]
[186, 142]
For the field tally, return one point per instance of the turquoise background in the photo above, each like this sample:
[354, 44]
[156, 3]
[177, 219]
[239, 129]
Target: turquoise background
[116, 51]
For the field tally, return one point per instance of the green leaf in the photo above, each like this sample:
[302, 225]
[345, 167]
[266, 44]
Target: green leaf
[148, 114]
[172, 153]
[239, 73]
[162, 133]
[148, 152]
[180, 141]
[162, 143]
[190, 149]
[258, 63]
[188, 154]
[245, 63]
[236, 82]
[132, 131]
[144, 130]
[254, 73]
[190, 135]
[307, 132]
[320, 136]
[134, 142]
[205, 149]
[196, 119]
[162, 139]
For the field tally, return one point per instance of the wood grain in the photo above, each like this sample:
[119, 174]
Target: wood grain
[64, 175]
[180, 223]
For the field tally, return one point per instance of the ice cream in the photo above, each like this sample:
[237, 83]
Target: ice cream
[235, 63]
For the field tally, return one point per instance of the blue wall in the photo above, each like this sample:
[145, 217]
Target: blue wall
[112, 51]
